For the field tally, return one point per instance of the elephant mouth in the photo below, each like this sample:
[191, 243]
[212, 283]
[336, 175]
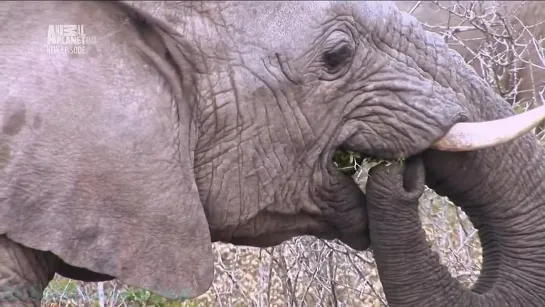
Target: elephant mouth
[462, 136]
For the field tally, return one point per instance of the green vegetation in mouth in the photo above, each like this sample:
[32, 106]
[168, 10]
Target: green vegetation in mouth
[347, 162]
[350, 162]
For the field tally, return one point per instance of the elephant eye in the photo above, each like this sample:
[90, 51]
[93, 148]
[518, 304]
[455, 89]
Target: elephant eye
[335, 58]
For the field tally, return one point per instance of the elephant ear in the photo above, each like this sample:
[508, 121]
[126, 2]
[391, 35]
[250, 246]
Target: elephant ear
[111, 187]
[134, 218]
[168, 14]
[171, 16]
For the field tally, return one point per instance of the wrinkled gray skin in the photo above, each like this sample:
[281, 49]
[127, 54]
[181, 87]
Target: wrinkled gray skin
[530, 79]
[501, 189]
[187, 123]
[502, 193]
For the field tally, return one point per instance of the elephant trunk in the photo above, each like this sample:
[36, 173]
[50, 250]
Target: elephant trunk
[507, 209]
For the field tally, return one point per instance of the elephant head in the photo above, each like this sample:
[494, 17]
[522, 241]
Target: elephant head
[191, 122]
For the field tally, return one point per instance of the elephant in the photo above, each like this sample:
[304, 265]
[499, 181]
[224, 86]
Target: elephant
[500, 189]
[250, 101]
[527, 71]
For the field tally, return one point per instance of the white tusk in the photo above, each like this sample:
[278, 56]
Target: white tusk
[473, 136]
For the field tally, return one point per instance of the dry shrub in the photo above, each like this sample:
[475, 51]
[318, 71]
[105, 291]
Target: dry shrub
[306, 271]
